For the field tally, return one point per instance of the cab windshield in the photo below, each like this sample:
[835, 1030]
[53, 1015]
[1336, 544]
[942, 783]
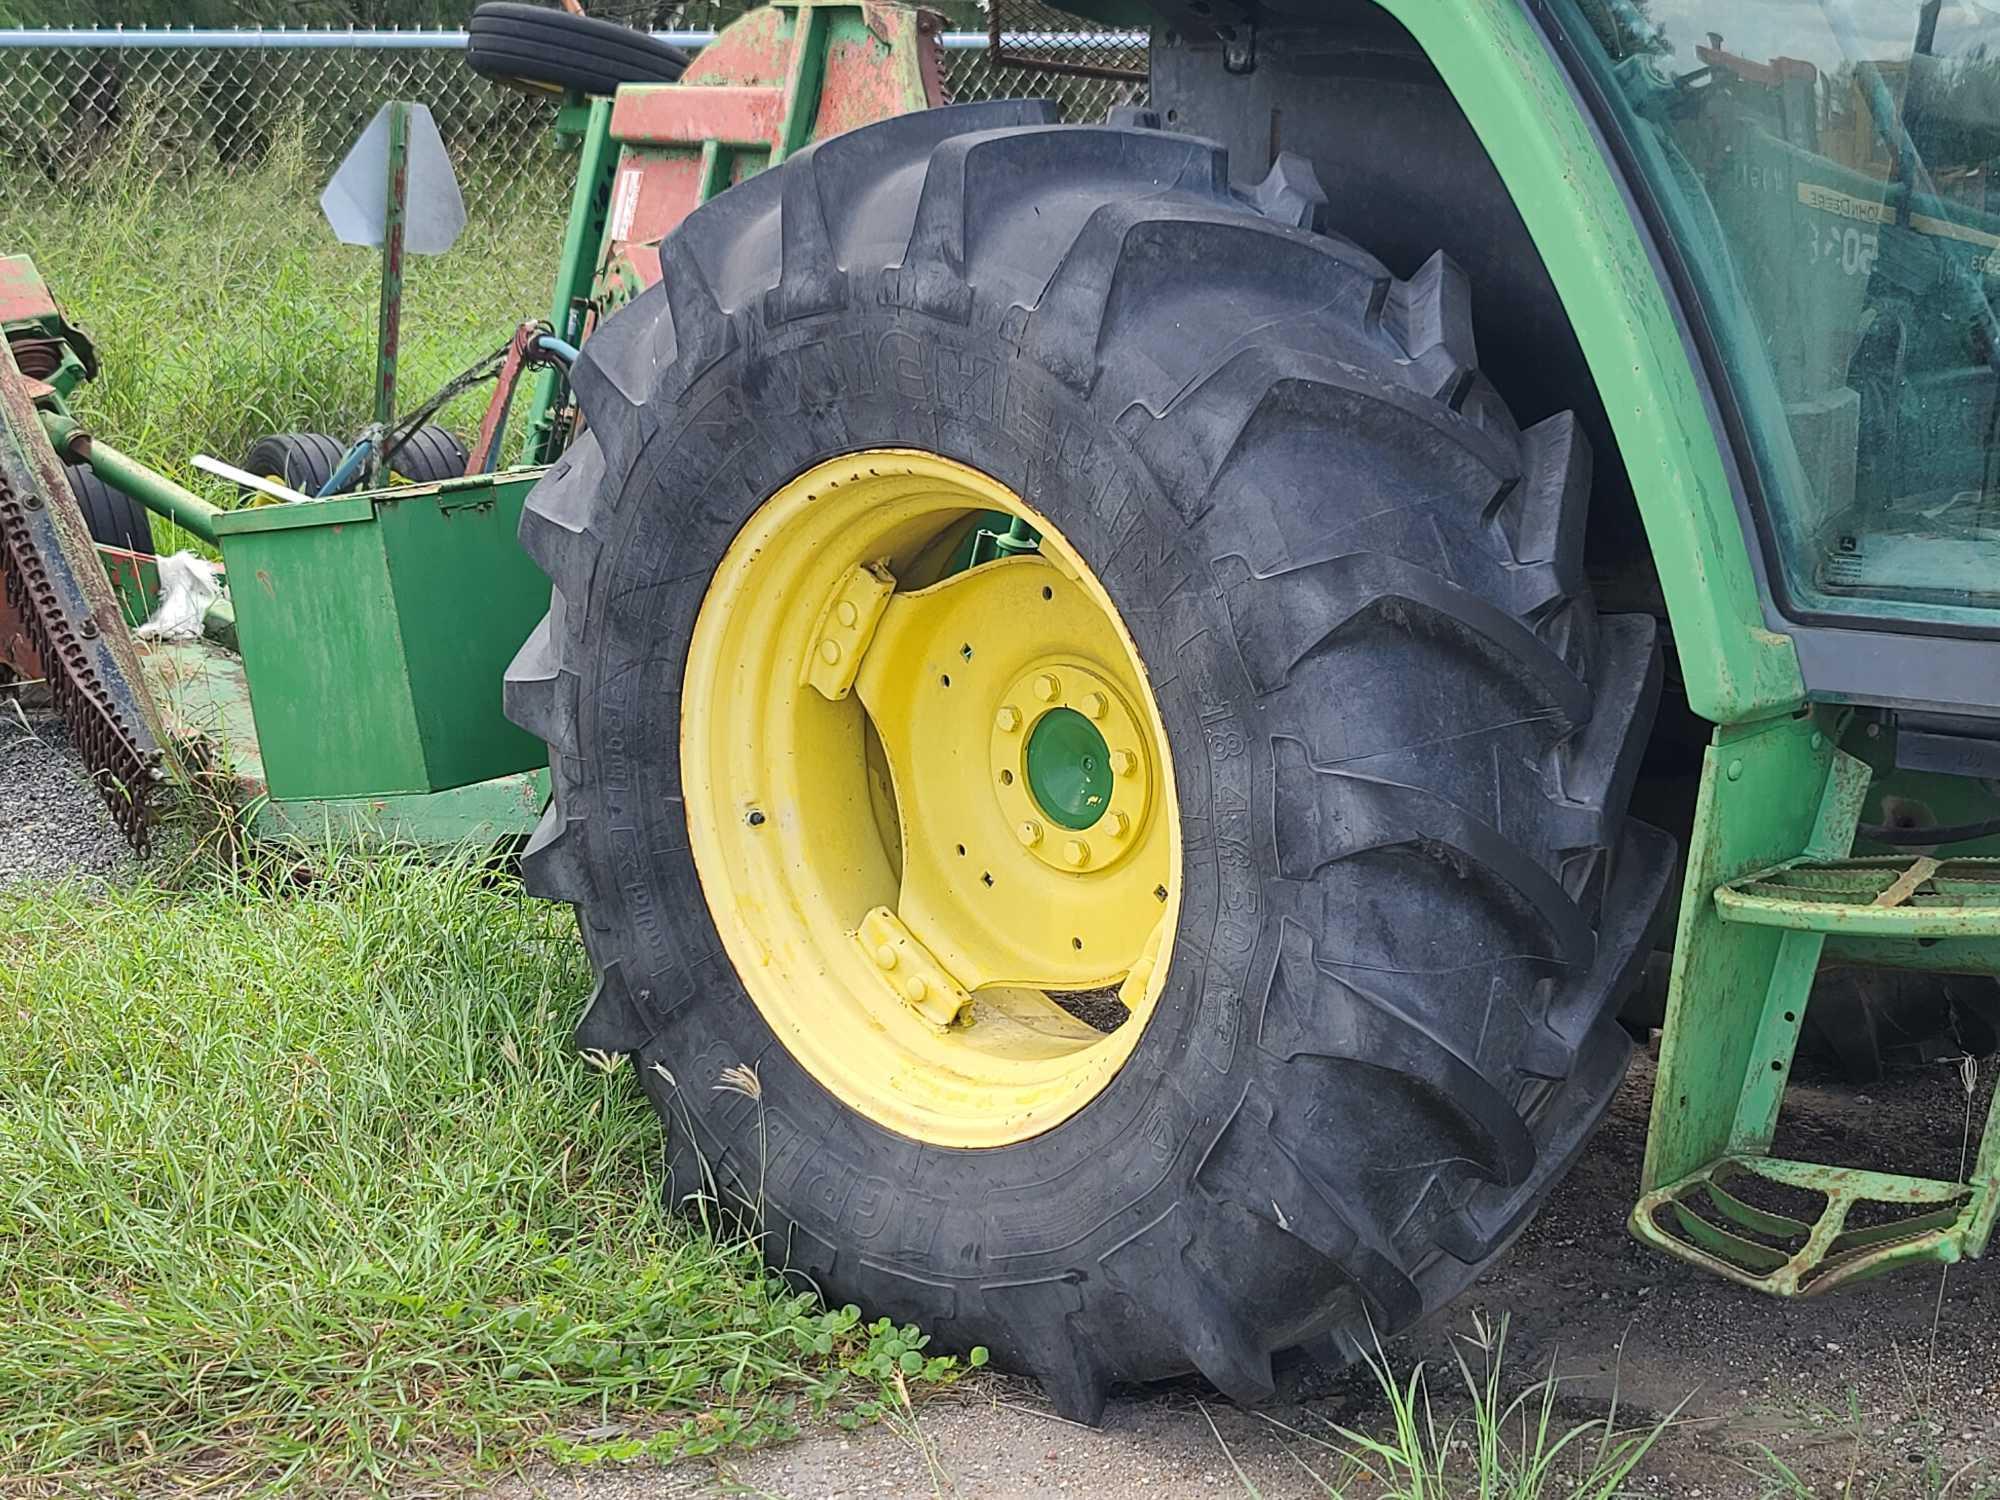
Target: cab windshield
[1828, 168]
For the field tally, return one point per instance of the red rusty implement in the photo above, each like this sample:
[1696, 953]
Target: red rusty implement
[778, 79]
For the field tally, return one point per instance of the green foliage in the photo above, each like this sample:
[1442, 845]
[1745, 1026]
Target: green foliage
[1501, 1448]
[301, 1182]
[223, 308]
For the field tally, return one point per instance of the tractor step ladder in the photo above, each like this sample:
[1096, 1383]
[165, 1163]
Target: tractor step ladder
[1753, 923]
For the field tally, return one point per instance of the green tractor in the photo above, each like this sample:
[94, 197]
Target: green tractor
[1126, 705]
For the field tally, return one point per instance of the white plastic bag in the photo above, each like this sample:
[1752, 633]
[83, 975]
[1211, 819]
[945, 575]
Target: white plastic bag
[187, 588]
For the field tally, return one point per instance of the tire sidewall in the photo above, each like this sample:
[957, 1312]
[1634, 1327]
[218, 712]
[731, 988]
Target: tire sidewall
[779, 402]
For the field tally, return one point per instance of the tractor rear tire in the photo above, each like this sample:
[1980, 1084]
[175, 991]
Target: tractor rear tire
[544, 48]
[302, 461]
[1402, 739]
[114, 517]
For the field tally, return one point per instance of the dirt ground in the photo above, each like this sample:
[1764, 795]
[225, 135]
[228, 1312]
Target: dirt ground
[1888, 1390]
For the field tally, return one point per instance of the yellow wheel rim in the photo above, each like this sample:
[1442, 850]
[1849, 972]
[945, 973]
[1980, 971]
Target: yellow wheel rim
[931, 804]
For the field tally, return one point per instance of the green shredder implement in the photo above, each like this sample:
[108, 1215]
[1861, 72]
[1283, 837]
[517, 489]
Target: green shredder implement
[1171, 688]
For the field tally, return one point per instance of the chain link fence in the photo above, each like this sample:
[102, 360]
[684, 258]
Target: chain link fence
[167, 185]
[205, 102]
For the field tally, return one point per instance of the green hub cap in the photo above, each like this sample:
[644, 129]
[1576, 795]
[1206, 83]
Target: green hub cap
[1069, 768]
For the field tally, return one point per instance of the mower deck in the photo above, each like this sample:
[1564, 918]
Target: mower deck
[204, 699]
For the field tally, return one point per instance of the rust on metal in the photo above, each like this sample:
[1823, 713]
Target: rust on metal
[19, 661]
[779, 78]
[62, 604]
[24, 298]
[1905, 884]
[673, 116]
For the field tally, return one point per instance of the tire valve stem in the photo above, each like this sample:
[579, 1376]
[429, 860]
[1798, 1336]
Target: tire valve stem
[756, 818]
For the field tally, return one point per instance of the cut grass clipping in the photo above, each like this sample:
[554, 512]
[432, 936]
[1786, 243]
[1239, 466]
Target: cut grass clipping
[303, 1182]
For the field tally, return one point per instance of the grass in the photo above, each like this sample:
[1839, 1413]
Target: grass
[1476, 1443]
[302, 1185]
[301, 1182]
[223, 308]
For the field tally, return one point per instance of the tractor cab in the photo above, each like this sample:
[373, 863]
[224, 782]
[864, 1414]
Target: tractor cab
[1824, 178]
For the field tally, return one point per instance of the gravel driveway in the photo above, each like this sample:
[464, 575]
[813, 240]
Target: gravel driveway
[53, 824]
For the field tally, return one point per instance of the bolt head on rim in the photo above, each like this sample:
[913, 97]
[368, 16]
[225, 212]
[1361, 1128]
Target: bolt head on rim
[1068, 750]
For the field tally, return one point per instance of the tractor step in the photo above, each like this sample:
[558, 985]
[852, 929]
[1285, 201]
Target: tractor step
[1896, 896]
[1767, 885]
[1745, 1218]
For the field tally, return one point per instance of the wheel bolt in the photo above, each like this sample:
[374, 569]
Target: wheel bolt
[847, 612]
[1009, 719]
[1077, 852]
[1117, 824]
[1093, 705]
[915, 987]
[886, 956]
[1047, 686]
[1029, 833]
[1123, 762]
[829, 652]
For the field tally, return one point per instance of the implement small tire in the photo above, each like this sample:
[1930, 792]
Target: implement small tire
[115, 519]
[551, 49]
[302, 461]
[1403, 738]
[431, 455]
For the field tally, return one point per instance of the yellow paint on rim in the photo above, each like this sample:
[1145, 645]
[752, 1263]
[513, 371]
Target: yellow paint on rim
[856, 815]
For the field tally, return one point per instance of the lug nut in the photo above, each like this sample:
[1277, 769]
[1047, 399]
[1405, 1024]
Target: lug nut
[886, 956]
[847, 612]
[915, 987]
[829, 652]
[1077, 852]
[1047, 686]
[1029, 833]
[1093, 705]
[1008, 719]
[1117, 824]
[1123, 762]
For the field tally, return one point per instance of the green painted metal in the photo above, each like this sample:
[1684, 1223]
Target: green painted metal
[589, 203]
[1706, 1218]
[153, 490]
[1950, 899]
[375, 630]
[1768, 791]
[28, 311]
[135, 581]
[1516, 98]
[205, 697]
[1069, 769]
[1768, 880]
[389, 315]
[804, 80]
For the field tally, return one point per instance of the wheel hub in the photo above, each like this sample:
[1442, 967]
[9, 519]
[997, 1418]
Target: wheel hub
[1070, 765]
